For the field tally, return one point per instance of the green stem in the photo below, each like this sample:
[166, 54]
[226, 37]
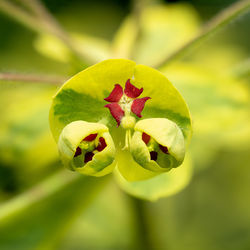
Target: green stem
[21, 16]
[218, 22]
[49, 22]
[56, 80]
[44, 189]
[143, 235]
[44, 22]
[137, 8]
[125, 38]
[47, 188]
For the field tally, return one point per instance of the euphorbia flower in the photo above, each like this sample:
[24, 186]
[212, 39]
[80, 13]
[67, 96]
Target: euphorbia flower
[90, 142]
[123, 103]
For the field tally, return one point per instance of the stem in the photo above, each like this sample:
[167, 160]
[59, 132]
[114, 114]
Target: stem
[137, 8]
[218, 22]
[126, 146]
[129, 138]
[44, 189]
[44, 22]
[129, 32]
[143, 235]
[49, 22]
[56, 80]
[21, 16]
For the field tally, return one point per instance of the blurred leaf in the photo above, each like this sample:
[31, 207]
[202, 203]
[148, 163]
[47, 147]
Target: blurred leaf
[163, 30]
[24, 121]
[46, 211]
[218, 54]
[212, 212]
[125, 38]
[26, 144]
[52, 47]
[163, 185]
[94, 228]
[220, 107]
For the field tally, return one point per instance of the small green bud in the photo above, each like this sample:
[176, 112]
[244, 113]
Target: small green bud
[87, 148]
[128, 122]
[157, 144]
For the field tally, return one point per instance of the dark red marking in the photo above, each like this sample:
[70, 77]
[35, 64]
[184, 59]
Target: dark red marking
[90, 137]
[138, 105]
[131, 90]
[102, 144]
[115, 95]
[78, 152]
[88, 157]
[153, 155]
[163, 149]
[145, 137]
[116, 111]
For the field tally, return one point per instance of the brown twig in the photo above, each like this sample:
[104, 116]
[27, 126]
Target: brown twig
[56, 80]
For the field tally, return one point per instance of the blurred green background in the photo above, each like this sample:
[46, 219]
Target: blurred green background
[43, 206]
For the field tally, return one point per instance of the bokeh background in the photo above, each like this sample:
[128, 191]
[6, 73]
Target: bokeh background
[43, 206]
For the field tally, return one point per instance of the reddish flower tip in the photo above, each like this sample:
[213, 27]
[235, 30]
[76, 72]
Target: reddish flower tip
[145, 138]
[101, 145]
[90, 137]
[163, 149]
[138, 105]
[88, 157]
[78, 152]
[153, 155]
[131, 90]
[116, 111]
[116, 94]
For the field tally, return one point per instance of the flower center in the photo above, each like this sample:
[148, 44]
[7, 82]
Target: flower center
[126, 102]
[122, 103]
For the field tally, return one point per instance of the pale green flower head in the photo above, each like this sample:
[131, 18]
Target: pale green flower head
[87, 148]
[101, 117]
[157, 144]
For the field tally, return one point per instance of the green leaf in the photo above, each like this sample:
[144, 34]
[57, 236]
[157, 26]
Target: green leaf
[162, 185]
[219, 104]
[37, 218]
[27, 147]
[50, 46]
[125, 38]
[220, 108]
[163, 30]
[94, 229]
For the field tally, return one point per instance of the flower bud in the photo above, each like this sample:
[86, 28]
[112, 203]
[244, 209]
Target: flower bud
[87, 148]
[157, 144]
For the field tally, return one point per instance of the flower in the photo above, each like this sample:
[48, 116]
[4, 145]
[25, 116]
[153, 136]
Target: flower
[87, 148]
[123, 103]
[89, 141]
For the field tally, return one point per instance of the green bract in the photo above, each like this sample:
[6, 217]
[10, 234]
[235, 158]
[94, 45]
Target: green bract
[166, 120]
